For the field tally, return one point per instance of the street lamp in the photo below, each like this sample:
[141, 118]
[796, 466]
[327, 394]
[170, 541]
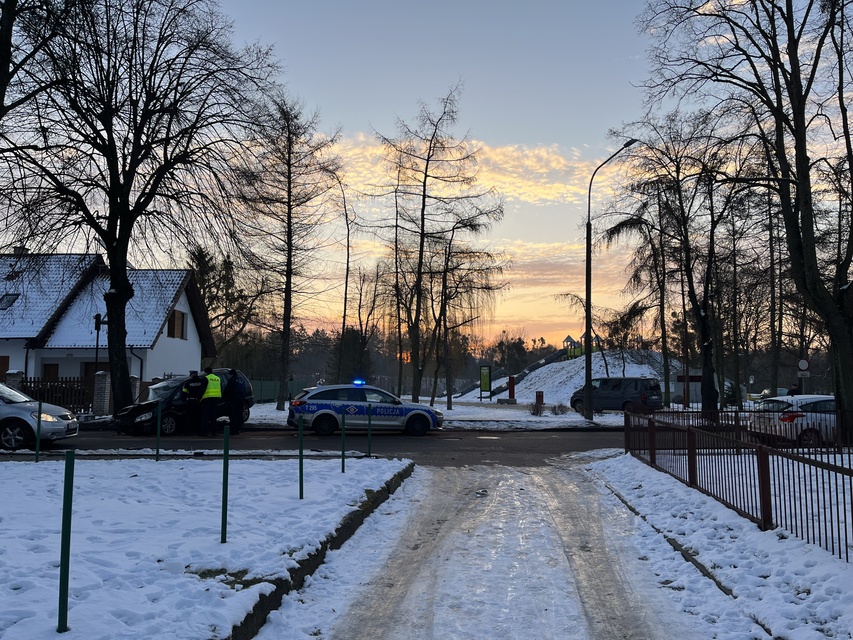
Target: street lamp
[587, 341]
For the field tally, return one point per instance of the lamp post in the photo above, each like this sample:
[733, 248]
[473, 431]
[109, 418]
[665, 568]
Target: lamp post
[587, 341]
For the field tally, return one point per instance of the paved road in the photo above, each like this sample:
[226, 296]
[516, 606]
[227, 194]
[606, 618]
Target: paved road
[444, 448]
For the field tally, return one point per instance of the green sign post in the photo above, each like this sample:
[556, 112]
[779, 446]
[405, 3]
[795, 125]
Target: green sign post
[485, 381]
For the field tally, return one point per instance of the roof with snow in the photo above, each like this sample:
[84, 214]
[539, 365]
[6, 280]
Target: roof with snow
[155, 295]
[35, 288]
[52, 301]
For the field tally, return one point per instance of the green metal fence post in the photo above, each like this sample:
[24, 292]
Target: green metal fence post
[65, 543]
[159, 419]
[225, 448]
[369, 429]
[38, 433]
[343, 442]
[301, 468]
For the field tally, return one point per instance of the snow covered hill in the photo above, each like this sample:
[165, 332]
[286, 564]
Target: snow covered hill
[559, 380]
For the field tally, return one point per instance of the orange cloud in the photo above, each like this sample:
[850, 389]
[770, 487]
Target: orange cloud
[545, 190]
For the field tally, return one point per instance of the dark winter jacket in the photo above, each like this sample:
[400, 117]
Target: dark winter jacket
[194, 388]
[235, 390]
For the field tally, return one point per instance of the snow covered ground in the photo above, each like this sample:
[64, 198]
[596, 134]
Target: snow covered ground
[145, 533]
[147, 561]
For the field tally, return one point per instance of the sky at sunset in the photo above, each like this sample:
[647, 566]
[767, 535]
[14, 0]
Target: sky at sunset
[542, 83]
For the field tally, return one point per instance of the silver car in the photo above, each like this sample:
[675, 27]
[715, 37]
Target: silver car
[808, 420]
[20, 420]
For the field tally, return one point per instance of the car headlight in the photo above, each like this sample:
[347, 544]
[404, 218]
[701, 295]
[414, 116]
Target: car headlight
[438, 413]
[45, 417]
[144, 416]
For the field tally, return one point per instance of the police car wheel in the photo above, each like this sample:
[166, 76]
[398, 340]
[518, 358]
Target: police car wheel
[325, 425]
[417, 426]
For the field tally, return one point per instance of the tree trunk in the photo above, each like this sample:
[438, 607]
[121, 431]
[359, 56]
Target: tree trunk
[285, 346]
[448, 371]
[116, 299]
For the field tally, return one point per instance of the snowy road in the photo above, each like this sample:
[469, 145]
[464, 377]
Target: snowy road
[509, 553]
[515, 553]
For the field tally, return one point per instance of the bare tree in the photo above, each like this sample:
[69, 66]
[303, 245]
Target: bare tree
[231, 294]
[129, 148]
[353, 356]
[287, 190]
[26, 28]
[784, 65]
[434, 193]
[468, 279]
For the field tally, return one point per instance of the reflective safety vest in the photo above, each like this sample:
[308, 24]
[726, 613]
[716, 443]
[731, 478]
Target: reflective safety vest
[214, 387]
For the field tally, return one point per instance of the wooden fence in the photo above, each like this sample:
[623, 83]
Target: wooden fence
[76, 394]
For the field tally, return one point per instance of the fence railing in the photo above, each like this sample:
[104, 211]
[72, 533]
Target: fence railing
[74, 394]
[806, 490]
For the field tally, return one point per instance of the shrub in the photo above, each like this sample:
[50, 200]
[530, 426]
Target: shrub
[560, 409]
[536, 409]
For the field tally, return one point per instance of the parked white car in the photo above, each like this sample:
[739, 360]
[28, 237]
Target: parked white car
[808, 420]
[20, 420]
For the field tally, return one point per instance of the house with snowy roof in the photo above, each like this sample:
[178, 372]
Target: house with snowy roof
[48, 304]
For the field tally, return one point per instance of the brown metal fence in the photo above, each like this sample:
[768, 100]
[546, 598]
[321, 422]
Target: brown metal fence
[806, 490]
[75, 394]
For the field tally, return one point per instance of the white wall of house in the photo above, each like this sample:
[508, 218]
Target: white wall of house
[14, 350]
[70, 361]
[32, 362]
[174, 355]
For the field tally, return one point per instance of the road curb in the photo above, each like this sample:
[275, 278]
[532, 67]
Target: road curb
[269, 602]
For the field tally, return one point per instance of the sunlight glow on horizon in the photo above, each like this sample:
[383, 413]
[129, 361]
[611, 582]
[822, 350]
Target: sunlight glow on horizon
[545, 193]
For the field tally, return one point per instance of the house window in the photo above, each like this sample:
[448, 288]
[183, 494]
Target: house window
[50, 372]
[177, 325]
[7, 300]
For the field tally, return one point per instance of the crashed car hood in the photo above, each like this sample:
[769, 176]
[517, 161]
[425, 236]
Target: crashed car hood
[142, 407]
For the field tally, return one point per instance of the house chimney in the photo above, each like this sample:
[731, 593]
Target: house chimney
[20, 251]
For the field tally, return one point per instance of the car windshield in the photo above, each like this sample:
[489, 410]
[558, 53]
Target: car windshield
[12, 396]
[163, 390]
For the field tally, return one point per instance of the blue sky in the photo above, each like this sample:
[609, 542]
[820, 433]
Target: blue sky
[543, 81]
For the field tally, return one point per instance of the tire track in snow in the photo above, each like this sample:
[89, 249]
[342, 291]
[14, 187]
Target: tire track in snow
[480, 558]
[613, 609]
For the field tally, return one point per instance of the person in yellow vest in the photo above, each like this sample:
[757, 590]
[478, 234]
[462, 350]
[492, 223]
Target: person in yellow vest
[210, 402]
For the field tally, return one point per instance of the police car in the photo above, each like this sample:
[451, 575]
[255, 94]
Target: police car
[322, 409]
